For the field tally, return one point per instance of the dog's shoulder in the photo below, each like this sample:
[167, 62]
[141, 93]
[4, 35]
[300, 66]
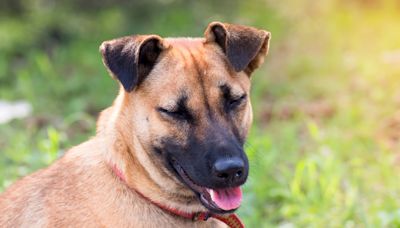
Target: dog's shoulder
[33, 199]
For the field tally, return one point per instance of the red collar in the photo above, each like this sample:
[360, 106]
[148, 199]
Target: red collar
[232, 220]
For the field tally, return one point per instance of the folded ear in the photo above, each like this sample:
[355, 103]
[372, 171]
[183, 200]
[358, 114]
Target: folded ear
[245, 47]
[130, 59]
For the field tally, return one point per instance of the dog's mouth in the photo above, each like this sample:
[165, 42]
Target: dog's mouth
[224, 200]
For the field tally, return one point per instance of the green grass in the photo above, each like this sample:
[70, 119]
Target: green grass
[324, 148]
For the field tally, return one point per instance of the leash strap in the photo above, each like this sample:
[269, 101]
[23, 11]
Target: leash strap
[232, 220]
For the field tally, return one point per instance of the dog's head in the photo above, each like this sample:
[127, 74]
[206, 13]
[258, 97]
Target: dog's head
[189, 105]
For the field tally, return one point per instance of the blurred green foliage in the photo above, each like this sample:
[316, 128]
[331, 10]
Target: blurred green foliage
[324, 148]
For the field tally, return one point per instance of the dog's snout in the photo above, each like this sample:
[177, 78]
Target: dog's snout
[229, 170]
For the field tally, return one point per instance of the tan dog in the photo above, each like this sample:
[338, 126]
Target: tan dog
[168, 152]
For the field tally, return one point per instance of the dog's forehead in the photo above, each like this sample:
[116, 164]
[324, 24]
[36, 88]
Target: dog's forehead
[191, 65]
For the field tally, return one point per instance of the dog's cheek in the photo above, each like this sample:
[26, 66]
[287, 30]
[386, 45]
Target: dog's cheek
[147, 126]
[141, 120]
[163, 133]
[168, 128]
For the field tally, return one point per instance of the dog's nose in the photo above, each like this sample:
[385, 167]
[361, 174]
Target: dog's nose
[230, 170]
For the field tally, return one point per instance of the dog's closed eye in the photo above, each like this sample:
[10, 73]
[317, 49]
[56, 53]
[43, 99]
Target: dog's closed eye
[231, 101]
[234, 102]
[171, 112]
[178, 112]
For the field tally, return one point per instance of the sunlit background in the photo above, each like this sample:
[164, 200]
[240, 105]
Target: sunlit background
[325, 145]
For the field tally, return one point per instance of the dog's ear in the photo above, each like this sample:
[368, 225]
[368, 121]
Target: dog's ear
[245, 47]
[130, 59]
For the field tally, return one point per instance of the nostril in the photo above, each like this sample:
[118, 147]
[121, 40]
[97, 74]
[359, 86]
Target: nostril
[238, 174]
[228, 169]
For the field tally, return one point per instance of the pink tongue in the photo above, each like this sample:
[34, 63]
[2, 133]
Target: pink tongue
[228, 198]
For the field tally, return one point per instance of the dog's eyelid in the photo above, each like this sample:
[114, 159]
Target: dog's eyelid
[176, 112]
[232, 93]
[164, 110]
[235, 101]
[239, 97]
[167, 108]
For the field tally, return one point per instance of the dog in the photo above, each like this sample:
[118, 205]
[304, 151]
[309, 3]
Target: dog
[168, 152]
